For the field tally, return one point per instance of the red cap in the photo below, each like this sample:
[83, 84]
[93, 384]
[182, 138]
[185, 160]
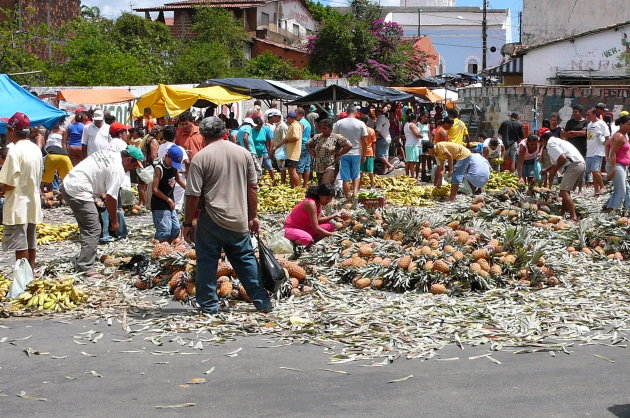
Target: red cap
[343, 115]
[19, 121]
[116, 127]
[79, 110]
[543, 131]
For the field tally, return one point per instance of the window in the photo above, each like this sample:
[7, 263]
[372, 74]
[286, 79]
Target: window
[296, 29]
[264, 19]
[473, 67]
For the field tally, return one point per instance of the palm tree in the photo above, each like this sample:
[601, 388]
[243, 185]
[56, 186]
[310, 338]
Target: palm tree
[90, 12]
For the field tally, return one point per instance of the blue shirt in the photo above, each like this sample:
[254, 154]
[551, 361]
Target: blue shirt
[240, 138]
[75, 132]
[306, 132]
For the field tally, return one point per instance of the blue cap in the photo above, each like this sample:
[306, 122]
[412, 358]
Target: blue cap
[291, 115]
[177, 155]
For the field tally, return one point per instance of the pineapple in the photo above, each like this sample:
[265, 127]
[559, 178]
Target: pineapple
[361, 282]
[243, 294]
[376, 260]
[462, 236]
[387, 262]
[191, 288]
[475, 268]
[295, 270]
[428, 265]
[453, 225]
[448, 249]
[142, 284]
[295, 283]
[426, 232]
[192, 254]
[348, 263]
[404, 261]
[441, 266]
[552, 281]
[458, 255]
[365, 251]
[438, 289]
[224, 287]
[377, 284]
[224, 269]
[479, 254]
[485, 266]
[510, 259]
[346, 243]
[161, 249]
[180, 293]
[495, 270]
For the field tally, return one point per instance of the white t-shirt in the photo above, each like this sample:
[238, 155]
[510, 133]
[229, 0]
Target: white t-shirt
[96, 139]
[382, 126]
[410, 139]
[493, 153]
[55, 139]
[352, 129]
[100, 173]
[596, 133]
[556, 147]
[117, 144]
[22, 169]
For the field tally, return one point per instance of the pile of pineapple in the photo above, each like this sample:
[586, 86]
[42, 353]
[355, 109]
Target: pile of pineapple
[601, 237]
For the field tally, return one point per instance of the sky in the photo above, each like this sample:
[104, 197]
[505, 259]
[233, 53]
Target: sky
[111, 11]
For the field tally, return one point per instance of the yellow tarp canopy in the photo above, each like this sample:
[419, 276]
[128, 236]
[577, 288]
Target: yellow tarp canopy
[425, 92]
[172, 101]
[95, 96]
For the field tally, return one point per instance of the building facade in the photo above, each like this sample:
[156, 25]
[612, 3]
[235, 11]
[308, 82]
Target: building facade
[278, 26]
[456, 32]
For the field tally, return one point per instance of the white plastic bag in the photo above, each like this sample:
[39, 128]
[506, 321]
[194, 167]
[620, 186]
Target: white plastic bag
[146, 174]
[126, 197]
[279, 244]
[22, 276]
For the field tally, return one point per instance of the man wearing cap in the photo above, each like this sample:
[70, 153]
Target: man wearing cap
[163, 205]
[272, 108]
[293, 142]
[188, 136]
[222, 181]
[119, 136]
[311, 117]
[564, 156]
[511, 134]
[101, 174]
[20, 178]
[95, 136]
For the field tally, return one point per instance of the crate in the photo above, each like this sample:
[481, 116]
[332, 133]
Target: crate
[378, 202]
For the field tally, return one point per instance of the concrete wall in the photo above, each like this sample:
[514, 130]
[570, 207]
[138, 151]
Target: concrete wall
[597, 54]
[499, 102]
[545, 21]
[427, 3]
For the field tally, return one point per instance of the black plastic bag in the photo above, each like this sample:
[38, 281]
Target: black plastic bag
[272, 272]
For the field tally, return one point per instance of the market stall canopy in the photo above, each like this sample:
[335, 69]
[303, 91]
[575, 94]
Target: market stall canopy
[427, 94]
[172, 101]
[95, 96]
[259, 89]
[336, 93]
[427, 82]
[14, 98]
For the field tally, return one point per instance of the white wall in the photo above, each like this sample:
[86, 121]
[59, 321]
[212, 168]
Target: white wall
[598, 53]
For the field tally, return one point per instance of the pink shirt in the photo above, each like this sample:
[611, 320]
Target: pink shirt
[623, 154]
[299, 218]
[529, 155]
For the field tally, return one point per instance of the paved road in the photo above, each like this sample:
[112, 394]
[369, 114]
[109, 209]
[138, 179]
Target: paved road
[253, 384]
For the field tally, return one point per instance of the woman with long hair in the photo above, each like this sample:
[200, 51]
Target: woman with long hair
[619, 160]
[305, 225]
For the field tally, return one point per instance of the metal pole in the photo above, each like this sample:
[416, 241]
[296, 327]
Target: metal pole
[484, 35]
[419, 12]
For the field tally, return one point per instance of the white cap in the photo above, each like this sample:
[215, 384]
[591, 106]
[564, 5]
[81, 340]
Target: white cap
[250, 121]
[98, 115]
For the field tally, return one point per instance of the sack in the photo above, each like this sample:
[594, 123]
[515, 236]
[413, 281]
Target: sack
[22, 276]
[272, 273]
[279, 244]
[537, 170]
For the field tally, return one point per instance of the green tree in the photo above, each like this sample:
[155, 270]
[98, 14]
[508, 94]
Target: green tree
[270, 66]
[365, 10]
[90, 12]
[320, 12]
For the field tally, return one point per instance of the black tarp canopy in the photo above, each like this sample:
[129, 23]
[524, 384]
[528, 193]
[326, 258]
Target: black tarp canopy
[336, 93]
[259, 89]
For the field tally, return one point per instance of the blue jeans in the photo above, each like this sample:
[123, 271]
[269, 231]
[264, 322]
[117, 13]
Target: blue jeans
[621, 189]
[210, 239]
[166, 225]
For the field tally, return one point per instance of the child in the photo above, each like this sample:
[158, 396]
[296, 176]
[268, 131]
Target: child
[368, 149]
[494, 152]
[162, 202]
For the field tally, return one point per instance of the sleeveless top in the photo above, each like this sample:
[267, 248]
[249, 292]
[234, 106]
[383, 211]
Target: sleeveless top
[54, 138]
[529, 155]
[495, 153]
[75, 132]
[298, 218]
[623, 154]
[166, 186]
[410, 139]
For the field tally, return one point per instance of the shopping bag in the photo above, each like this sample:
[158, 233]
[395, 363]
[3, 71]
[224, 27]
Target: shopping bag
[146, 174]
[272, 273]
[279, 244]
[537, 170]
[22, 276]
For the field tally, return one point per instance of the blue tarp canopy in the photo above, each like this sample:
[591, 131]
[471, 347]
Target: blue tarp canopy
[14, 98]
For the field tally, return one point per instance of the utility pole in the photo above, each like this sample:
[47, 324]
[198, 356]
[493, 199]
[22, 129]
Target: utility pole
[484, 36]
[419, 11]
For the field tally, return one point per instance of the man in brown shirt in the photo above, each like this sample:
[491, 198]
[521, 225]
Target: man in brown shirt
[188, 136]
[222, 178]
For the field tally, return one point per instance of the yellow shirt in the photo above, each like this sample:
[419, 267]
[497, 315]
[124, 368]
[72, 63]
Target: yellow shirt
[458, 152]
[294, 149]
[22, 170]
[457, 132]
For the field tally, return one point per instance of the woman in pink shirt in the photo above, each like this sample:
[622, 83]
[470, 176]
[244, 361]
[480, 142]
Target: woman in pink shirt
[619, 160]
[305, 225]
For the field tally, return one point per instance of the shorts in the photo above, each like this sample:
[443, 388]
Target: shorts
[512, 152]
[412, 154]
[349, 169]
[291, 163]
[594, 163]
[257, 166]
[459, 172]
[368, 165]
[382, 147]
[529, 167]
[264, 162]
[56, 162]
[19, 237]
[573, 174]
[304, 165]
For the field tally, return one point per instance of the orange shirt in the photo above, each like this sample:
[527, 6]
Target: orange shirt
[191, 141]
[436, 136]
[368, 149]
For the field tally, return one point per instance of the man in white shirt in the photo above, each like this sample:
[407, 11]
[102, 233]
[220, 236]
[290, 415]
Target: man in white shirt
[356, 132]
[564, 155]
[20, 178]
[597, 133]
[102, 173]
[383, 138]
[95, 136]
